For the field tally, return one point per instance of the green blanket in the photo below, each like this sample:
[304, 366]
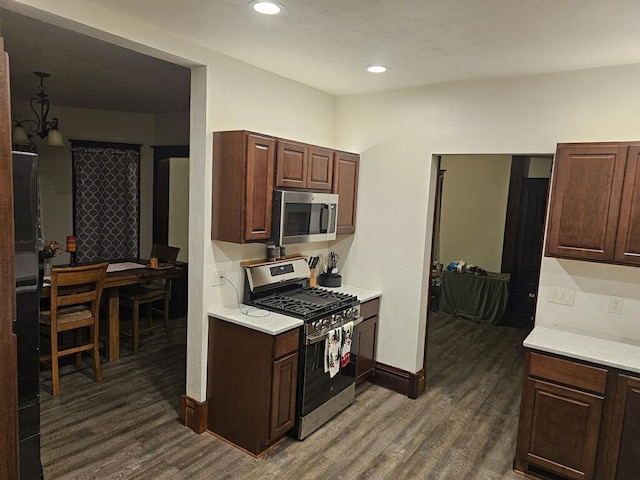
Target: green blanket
[483, 299]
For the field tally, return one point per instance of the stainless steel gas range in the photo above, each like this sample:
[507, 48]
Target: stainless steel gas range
[326, 378]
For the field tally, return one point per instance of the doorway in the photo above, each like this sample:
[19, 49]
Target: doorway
[92, 121]
[521, 183]
[490, 213]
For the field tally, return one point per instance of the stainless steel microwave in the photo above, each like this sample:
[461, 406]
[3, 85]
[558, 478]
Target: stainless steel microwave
[301, 217]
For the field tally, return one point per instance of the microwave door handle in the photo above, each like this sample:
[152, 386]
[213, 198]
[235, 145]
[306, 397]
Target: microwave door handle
[324, 218]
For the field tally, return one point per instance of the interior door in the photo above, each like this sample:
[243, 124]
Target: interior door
[523, 285]
[9, 468]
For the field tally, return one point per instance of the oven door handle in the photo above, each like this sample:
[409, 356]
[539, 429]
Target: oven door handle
[311, 339]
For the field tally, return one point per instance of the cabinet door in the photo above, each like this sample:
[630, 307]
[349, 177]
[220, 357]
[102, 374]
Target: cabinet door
[345, 184]
[628, 237]
[259, 187]
[559, 430]
[291, 169]
[623, 460]
[283, 395]
[320, 169]
[585, 200]
[365, 360]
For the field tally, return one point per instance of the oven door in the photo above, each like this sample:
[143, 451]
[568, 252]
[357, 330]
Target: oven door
[317, 386]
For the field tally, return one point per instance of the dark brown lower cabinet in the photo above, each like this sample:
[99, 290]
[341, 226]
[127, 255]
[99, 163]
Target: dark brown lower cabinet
[251, 384]
[561, 429]
[623, 460]
[578, 421]
[366, 341]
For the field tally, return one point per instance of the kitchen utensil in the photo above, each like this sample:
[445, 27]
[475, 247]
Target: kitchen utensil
[332, 266]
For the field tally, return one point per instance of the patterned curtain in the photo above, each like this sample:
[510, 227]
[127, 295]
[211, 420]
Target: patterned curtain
[106, 180]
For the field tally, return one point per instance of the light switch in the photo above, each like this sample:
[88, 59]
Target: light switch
[561, 296]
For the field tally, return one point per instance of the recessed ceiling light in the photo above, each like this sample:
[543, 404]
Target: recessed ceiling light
[266, 7]
[377, 69]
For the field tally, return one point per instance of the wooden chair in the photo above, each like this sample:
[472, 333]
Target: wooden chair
[74, 304]
[150, 294]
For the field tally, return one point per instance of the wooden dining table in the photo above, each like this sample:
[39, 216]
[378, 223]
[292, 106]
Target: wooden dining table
[120, 274]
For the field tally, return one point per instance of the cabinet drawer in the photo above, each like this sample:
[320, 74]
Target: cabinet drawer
[370, 309]
[286, 343]
[566, 372]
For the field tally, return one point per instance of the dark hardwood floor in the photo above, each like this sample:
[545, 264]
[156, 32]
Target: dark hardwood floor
[127, 427]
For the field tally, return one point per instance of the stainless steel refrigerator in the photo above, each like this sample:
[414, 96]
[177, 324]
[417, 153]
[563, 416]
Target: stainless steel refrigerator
[26, 326]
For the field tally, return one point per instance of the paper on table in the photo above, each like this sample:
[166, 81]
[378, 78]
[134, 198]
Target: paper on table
[117, 267]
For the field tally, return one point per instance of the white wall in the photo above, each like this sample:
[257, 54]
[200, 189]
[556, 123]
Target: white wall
[397, 134]
[474, 206]
[540, 167]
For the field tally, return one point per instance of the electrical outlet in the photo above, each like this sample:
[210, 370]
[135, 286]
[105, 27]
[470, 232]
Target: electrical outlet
[561, 296]
[218, 278]
[615, 304]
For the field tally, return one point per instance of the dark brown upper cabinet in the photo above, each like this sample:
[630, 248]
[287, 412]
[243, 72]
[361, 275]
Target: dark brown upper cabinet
[345, 184]
[247, 167]
[595, 203]
[303, 166]
[242, 190]
[628, 237]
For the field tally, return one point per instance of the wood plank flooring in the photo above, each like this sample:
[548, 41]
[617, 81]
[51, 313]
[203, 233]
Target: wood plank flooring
[127, 427]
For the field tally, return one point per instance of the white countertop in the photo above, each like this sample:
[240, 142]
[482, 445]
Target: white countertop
[257, 319]
[274, 323]
[616, 354]
[363, 294]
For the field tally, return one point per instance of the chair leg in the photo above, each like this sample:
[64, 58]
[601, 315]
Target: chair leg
[136, 327]
[149, 315]
[78, 339]
[97, 368]
[167, 331]
[55, 374]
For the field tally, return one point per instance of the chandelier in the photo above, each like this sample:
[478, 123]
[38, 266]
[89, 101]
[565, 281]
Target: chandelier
[41, 126]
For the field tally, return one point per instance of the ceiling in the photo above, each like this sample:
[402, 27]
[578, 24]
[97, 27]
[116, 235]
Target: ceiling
[326, 45]
[89, 73]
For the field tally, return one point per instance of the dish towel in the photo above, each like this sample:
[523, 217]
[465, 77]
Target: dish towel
[345, 353]
[332, 352]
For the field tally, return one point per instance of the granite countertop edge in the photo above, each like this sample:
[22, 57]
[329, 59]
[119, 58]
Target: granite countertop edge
[608, 352]
[274, 323]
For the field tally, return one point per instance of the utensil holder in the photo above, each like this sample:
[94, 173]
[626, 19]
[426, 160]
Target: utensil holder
[330, 280]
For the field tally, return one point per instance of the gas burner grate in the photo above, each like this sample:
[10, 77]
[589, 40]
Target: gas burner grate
[289, 305]
[329, 294]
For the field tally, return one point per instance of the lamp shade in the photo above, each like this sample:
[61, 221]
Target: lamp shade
[54, 138]
[20, 135]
